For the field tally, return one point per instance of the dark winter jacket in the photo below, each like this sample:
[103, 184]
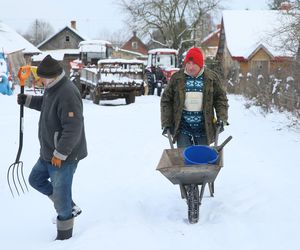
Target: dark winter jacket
[214, 101]
[61, 124]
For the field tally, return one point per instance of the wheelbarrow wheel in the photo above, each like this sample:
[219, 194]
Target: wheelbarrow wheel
[193, 202]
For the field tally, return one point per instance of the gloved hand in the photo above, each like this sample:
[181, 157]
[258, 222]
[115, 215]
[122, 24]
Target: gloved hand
[56, 162]
[165, 130]
[221, 123]
[21, 99]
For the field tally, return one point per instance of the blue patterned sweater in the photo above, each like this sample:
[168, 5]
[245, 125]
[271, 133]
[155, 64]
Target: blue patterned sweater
[192, 122]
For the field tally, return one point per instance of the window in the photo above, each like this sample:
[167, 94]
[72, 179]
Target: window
[260, 67]
[134, 45]
[67, 39]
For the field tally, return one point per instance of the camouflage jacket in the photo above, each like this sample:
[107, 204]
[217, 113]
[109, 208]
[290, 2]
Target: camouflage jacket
[214, 102]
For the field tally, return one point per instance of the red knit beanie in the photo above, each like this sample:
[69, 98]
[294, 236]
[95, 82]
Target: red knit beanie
[194, 54]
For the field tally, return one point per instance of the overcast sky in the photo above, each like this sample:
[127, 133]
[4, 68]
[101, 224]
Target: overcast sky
[94, 17]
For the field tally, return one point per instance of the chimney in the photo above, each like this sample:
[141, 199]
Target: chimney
[73, 25]
[134, 33]
[285, 6]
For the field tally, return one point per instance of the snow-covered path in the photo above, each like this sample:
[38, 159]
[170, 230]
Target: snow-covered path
[127, 204]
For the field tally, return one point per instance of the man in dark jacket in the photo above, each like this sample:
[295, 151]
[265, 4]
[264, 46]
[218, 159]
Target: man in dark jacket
[62, 141]
[190, 101]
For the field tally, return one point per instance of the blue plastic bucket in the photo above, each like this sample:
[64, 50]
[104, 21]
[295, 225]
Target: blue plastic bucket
[200, 154]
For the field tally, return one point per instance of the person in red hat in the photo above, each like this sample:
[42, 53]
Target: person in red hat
[189, 104]
[190, 101]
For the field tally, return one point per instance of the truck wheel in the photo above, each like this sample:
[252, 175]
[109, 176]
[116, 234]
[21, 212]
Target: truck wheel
[83, 91]
[95, 97]
[96, 100]
[159, 89]
[130, 98]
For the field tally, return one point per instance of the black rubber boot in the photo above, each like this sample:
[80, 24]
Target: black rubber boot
[64, 229]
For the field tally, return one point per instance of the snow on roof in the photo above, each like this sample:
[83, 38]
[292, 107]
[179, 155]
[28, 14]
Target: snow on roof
[95, 42]
[131, 52]
[94, 45]
[11, 41]
[121, 60]
[163, 51]
[210, 35]
[246, 30]
[56, 54]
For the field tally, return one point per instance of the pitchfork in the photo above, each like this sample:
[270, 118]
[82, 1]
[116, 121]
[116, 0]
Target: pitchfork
[17, 167]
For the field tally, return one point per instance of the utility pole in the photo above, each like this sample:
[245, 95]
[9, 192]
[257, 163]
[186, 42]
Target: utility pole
[36, 31]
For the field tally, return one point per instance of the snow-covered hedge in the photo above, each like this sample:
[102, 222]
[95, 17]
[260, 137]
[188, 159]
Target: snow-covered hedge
[268, 92]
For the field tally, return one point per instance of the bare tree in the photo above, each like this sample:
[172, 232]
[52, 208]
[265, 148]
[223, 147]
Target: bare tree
[117, 38]
[38, 31]
[173, 20]
[158, 38]
[286, 35]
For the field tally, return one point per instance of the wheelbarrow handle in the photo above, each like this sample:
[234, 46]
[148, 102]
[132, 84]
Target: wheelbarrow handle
[170, 138]
[220, 147]
[218, 129]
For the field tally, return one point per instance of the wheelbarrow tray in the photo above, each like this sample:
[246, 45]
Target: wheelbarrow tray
[172, 166]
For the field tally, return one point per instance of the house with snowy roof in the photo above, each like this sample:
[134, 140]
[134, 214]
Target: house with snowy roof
[134, 48]
[135, 44]
[11, 42]
[66, 38]
[210, 43]
[63, 46]
[16, 48]
[255, 42]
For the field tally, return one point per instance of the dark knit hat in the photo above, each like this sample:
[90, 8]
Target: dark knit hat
[49, 68]
[194, 54]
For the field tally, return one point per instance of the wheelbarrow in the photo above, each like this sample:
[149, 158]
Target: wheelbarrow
[189, 177]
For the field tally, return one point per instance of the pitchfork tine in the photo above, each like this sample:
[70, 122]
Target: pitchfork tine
[18, 178]
[16, 167]
[8, 181]
[22, 174]
[11, 170]
[14, 181]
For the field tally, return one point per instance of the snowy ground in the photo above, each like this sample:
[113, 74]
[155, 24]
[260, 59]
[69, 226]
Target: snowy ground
[127, 204]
